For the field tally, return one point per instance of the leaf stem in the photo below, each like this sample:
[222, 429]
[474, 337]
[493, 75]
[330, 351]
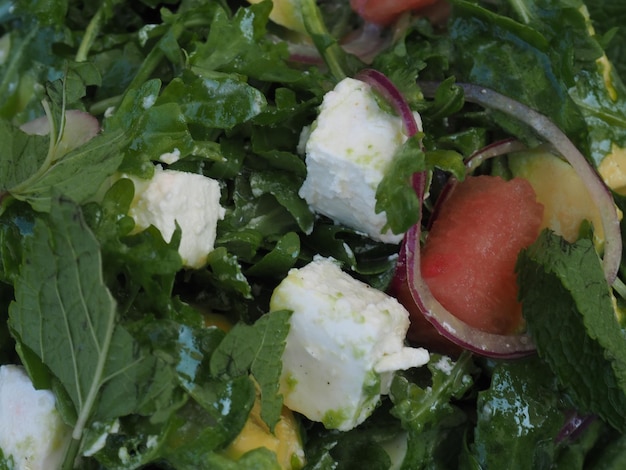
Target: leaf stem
[50, 157]
[98, 375]
[70, 455]
[91, 32]
[325, 43]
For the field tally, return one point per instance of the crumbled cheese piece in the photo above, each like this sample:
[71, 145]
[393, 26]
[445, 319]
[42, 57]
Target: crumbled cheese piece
[348, 151]
[170, 157]
[32, 432]
[191, 200]
[345, 342]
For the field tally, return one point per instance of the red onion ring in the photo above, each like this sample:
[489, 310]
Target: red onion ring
[379, 82]
[547, 130]
[574, 426]
[408, 268]
[495, 149]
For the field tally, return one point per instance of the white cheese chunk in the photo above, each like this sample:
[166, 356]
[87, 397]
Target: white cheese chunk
[348, 151]
[191, 200]
[32, 433]
[346, 340]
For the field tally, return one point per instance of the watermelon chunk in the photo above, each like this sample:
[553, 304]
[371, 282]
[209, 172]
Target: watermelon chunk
[468, 259]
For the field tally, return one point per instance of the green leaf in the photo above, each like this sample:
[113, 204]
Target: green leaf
[534, 64]
[395, 194]
[65, 314]
[23, 155]
[608, 17]
[227, 272]
[284, 187]
[256, 349]
[419, 408]
[277, 262]
[255, 459]
[427, 412]
[568, 307]
[518, 417]
[78, 175]
[214, 99]
[240, 45]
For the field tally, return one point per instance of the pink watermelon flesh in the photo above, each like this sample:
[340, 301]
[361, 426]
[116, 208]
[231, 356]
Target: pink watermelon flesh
[468, 259]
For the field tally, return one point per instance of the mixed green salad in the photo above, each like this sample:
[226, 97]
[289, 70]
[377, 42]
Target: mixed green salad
[158, 362]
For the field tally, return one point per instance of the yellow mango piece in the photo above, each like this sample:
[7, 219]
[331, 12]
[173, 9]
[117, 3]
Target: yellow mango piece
[285, 442]
[613, 169]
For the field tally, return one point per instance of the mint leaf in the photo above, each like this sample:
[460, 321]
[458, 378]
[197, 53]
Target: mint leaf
[256, 349]
[569, 310]
[65, 314]
[22, 155]
[78, 175]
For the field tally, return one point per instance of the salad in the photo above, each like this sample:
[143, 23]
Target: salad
[312, 235]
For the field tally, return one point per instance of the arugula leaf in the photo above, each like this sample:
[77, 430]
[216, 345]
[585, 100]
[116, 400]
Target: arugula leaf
[569, 312]
[256, 349]
[427, 413]
[214, 99]
[284, 187]
[527, 67]
[278, 261]
[240, 45]
[395, 194]
[608, 18]
[66, 315]
[370, 445]
[30, 62]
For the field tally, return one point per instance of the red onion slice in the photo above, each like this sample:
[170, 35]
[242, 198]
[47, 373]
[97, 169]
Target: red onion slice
[547, 130]
[408, 269]
[501, 147]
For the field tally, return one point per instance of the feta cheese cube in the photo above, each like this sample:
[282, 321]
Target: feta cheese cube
[191, 200]
[345, 341]
[32, 433]
[348, 150]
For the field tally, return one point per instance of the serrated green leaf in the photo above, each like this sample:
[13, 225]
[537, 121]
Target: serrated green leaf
[214, 99]
[284, 187]
[22, 155]
[78, 175]
[256, 349]
[569, 311]
[395, 194]
[278, 261]
[65, 314]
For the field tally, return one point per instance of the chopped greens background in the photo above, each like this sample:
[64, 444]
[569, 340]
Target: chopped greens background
[210, 79]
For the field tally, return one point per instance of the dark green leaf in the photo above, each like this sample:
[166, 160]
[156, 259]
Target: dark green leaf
[66, 315]
[256, 349]
[518, 417]
[395, 194]
[569, 310]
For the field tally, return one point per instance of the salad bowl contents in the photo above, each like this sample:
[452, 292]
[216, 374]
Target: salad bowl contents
[305, 235]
